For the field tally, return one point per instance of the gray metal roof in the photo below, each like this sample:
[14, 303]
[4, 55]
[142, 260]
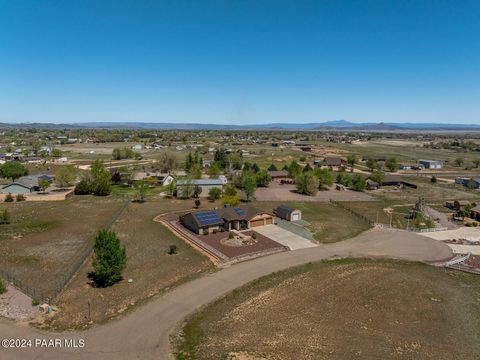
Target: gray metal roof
[31, 181]
[201, 182]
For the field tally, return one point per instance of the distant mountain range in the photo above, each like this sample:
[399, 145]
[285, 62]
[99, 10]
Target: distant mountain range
[339, 125]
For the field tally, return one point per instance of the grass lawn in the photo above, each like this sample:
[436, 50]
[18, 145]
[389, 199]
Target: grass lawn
[131, 191]
[149, 265]
[328, 223]
[343, 309]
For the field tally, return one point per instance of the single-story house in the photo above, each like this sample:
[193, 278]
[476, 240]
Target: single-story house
[470, 183]
[206, 163]
[25, 184]
[392, 180]
[187, 185]
[278, 174]
[475, 213]
[460, 204]
[287, 213]
[163, 179]
[242, 217]
[332, 161]
[431, 164]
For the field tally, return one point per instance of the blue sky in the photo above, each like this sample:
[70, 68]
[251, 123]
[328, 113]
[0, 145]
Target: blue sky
[240, 62]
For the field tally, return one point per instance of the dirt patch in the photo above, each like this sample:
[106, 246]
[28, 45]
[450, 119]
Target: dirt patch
[149, 266]
[348, 309]
[44, 239]
[278, 192]
[16, 305]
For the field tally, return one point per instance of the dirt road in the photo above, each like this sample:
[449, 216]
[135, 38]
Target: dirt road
[144, 333]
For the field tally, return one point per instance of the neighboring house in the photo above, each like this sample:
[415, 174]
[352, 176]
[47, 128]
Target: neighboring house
[205, 185]
[287, 213]
[208, 221]
[475, 213]
[278, 174]
[25, 184]
[470, 183]
[372, 185]
[460, 204]
[392, 180]
[163, 179]
[223, 178]
[333, 161]
[461, 180]
[431, 164]
[33, 160]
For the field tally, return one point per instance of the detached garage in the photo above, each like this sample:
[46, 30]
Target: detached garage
[287, 213]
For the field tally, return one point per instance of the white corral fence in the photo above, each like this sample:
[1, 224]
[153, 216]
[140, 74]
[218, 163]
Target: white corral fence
[458, 260]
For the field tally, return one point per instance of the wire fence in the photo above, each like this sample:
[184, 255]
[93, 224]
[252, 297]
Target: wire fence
[48, 296]
[346, 208]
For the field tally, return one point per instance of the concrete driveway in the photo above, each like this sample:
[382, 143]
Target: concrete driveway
[285, 237]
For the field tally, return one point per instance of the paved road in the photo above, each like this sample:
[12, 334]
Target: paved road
[144, 333]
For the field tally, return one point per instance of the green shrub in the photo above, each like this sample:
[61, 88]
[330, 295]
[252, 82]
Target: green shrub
[214, 193]
[35, 302]
[20, 197]
[3, 287]
[8, 198]
[4, 216]
[172, 249]
[83, 188]
[254, 236]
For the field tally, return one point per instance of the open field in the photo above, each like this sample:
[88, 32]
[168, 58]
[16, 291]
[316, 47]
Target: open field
[404, 151]
[344, 309]
[277, 192]
[149, 265]
[45, 238]
[433, 193]
[328, 223]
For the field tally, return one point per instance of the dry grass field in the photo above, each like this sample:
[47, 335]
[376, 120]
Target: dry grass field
[344, 309]
[45, 238]
[149, 266]
[328, 223]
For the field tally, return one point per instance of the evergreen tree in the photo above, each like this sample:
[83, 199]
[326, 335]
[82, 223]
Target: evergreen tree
[109, 259]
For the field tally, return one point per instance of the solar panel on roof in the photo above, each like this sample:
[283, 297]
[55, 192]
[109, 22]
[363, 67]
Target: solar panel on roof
[239, 211]
[208, 217]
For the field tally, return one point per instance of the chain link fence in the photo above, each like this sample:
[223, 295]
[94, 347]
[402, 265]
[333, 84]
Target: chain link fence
[47, 296]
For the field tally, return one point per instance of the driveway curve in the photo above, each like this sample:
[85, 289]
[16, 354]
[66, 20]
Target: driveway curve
[144, 333]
